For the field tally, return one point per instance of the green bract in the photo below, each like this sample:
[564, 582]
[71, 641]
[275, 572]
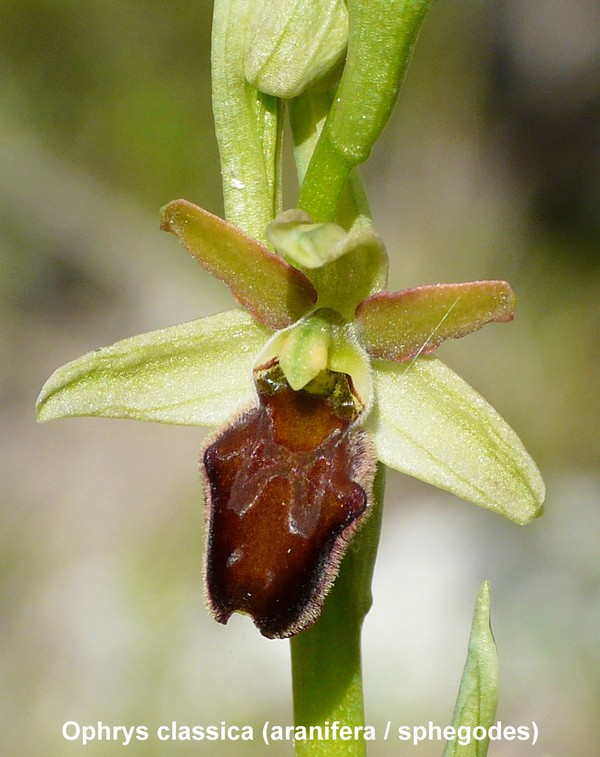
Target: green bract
[478, 694]
[326, 311]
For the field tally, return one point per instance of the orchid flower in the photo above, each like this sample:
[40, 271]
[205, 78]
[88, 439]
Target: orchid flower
[322, 377]
[320, 373]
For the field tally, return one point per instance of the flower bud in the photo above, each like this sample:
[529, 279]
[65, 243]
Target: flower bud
[294, 42]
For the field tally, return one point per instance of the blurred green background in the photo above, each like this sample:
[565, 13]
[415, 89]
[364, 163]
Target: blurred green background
[490, 168]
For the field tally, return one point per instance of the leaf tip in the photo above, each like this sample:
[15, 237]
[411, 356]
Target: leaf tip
[50, 406]
[41, 415]
[533, 508]
[483, 598]
[45, 409]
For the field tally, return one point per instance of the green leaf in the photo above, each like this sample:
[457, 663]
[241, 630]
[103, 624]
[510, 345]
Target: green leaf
[272, 290]
[431, 424]
[197, 374]
[400, 325]
[382, 37]
[307, 117]
[294, 42]
[478, 694]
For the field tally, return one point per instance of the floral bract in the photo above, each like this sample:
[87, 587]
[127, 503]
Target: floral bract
[316, 312]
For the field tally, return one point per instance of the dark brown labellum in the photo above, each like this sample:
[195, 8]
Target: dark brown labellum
[288, 484]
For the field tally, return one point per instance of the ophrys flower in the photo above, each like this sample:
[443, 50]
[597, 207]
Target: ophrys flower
[322, 374]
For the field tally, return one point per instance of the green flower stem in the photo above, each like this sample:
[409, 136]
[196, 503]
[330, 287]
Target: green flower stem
[325, 180]
[308, 113]
[248, 125]
[332, 137]
[353, 208]
[382, 36]
[326, 659]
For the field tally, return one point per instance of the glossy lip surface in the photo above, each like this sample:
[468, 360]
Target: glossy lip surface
[287, 487]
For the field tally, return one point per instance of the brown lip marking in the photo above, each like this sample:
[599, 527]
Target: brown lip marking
[288, 484]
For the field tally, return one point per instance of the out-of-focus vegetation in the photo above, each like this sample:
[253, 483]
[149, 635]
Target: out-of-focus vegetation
[122, 87]
[489, 169]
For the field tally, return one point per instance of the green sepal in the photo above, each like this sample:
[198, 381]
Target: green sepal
[303, 243]
[274, 292]
[478, 693]
[399, 325]
[430, 424]
[329, 255]
[358, 259]
[359, 270]
[195, 374]
[292, 43]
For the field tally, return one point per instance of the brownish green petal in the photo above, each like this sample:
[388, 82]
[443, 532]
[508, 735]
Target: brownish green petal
[399, 325]
[274, 292]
